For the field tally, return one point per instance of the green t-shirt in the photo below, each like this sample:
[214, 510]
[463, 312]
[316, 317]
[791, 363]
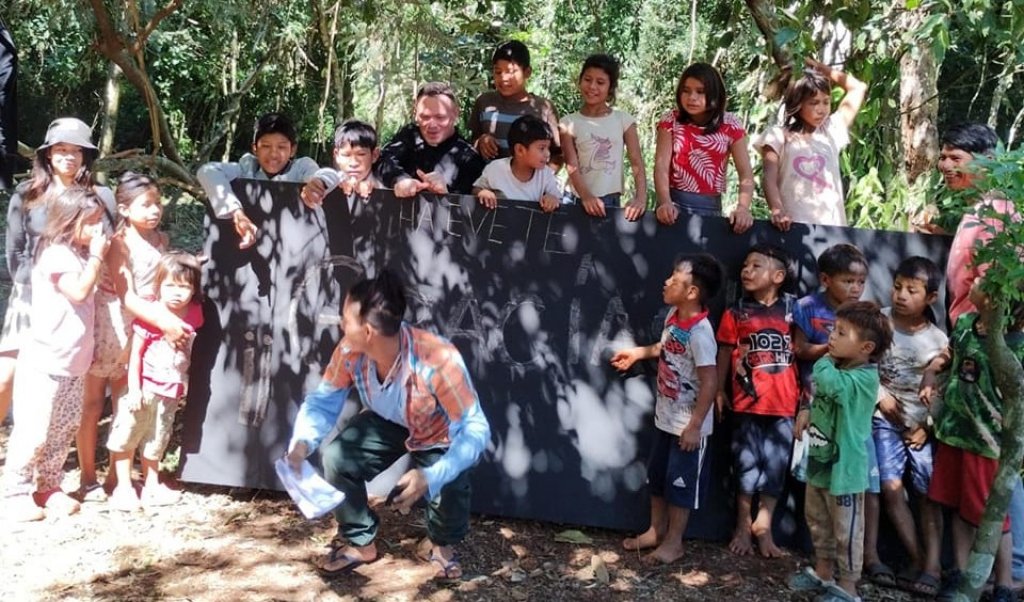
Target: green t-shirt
[844, 399]
[972, 415]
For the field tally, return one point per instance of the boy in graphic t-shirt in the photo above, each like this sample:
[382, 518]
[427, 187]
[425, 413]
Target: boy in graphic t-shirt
[755, 347]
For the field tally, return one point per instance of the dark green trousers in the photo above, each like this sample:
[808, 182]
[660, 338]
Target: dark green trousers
[364, 449]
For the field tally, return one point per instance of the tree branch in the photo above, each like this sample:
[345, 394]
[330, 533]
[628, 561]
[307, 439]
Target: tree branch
[163, 13]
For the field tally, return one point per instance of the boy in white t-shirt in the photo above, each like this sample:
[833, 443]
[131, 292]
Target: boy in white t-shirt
[687, 382]
[525, 175]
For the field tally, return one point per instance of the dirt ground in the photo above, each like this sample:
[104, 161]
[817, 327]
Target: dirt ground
[240, 545]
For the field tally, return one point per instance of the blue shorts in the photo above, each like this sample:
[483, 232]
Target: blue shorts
[680, 477]
[761, 446]
[894, 456]
[699, 204]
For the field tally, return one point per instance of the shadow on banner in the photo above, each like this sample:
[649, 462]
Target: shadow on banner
[537, 303]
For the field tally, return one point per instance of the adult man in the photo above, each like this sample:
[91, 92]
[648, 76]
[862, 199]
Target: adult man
[417, 397]
[429, 153]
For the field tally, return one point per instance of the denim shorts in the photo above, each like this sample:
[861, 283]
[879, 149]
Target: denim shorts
[895, 456]
[611, 201]
[761, 447]
[699, 204]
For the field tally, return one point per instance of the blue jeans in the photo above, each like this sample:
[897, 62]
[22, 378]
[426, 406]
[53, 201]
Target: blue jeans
[699, 204]
[611, 201]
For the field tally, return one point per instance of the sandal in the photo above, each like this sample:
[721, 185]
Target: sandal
[834, 593]
[808, 581]
[880, 574]
[336, 554]
[447, 571]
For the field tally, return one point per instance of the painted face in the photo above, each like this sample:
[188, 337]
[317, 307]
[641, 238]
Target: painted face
[595, 86]
[845, 286]
[88, 226]
[759, 273]
[910, 297]
[844, 342]
[692, 97]
[954, 166]
[436, 116]
[175, 293]
[144, 211]
[354, 332]
[273, 152]
[510, 78]
[355, 161]
[679, 287]
[535, 156]
[66, 159]
[814, 110]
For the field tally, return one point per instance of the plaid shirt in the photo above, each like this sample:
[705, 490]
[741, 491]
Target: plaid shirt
[431, 395]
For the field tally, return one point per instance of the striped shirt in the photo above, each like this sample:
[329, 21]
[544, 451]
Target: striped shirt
[429, 393]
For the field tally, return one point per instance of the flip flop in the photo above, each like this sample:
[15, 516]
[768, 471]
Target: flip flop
[447, 571]
[880, 574]
[335, 555]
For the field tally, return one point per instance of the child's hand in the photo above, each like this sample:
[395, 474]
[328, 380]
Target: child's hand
[434, 182]
[635, 209]
[689, 440]
[487, 198]
[487, 146]
[915, 438]
[803, 419]
[351, 185]
[741, 219]
[408, 187]
[818, 66]
[99, 242]
[781, 220]
[132, 401]
[721, 402]
[667, 213]
[593, 206]
[313, 193]
[928, 389]
[891, 409]
[623, 360]
[549, 203]
[246, 230]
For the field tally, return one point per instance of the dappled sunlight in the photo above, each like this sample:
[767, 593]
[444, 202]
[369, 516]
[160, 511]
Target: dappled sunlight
[694, 578]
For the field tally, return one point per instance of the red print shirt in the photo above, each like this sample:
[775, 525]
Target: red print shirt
[698, 159]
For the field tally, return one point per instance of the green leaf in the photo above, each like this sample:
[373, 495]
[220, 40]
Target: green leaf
[573, 536]
[786, 35]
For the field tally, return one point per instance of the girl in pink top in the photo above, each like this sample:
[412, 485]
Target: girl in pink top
[157, 383]
[693, 145]
[55, 355]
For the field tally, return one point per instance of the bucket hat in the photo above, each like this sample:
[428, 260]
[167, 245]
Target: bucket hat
[69, 131]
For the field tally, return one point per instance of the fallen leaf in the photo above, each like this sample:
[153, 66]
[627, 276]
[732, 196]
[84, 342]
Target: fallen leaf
[573, 536]
[600, 569]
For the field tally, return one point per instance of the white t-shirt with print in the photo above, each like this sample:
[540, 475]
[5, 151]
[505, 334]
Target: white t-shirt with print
[901, 368]
[497, 176]
[600, 148]
[685, 346]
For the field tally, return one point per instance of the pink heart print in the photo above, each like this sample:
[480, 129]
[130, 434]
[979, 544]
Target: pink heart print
[810, 167]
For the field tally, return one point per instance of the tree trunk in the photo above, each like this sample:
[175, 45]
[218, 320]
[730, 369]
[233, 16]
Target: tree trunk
[763, 13]
[919, 102]
[1009, 377]
[1002, 85]
[111, 107]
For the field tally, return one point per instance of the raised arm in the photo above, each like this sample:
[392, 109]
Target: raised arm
[855, 90]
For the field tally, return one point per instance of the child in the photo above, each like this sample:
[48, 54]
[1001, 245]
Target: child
[968, 428]
[801, 177]
[64, 159]
[754, 344]
[274, 144]
[845, 390]
[693, 144]
[593, 140]
[900, 426]
[842, 270]
[356, 167]
[525, 175]
[687, 381]
[54, 355]
[157, 384]
[494, 112]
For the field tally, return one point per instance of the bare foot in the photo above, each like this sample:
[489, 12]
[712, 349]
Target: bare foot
[740, 544]
[766, 544]
[646, 540]
[666, 553]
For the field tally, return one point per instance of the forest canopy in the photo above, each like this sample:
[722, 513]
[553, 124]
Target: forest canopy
[184, 81]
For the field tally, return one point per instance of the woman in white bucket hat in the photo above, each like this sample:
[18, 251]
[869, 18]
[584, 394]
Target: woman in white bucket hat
[64, 160]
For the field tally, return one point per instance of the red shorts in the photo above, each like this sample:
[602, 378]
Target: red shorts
[962, 480]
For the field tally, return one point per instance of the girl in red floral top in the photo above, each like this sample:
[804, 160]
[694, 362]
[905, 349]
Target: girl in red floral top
[694, 142]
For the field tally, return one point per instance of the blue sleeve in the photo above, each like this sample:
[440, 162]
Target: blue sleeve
[317, 415]
[469, 438]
